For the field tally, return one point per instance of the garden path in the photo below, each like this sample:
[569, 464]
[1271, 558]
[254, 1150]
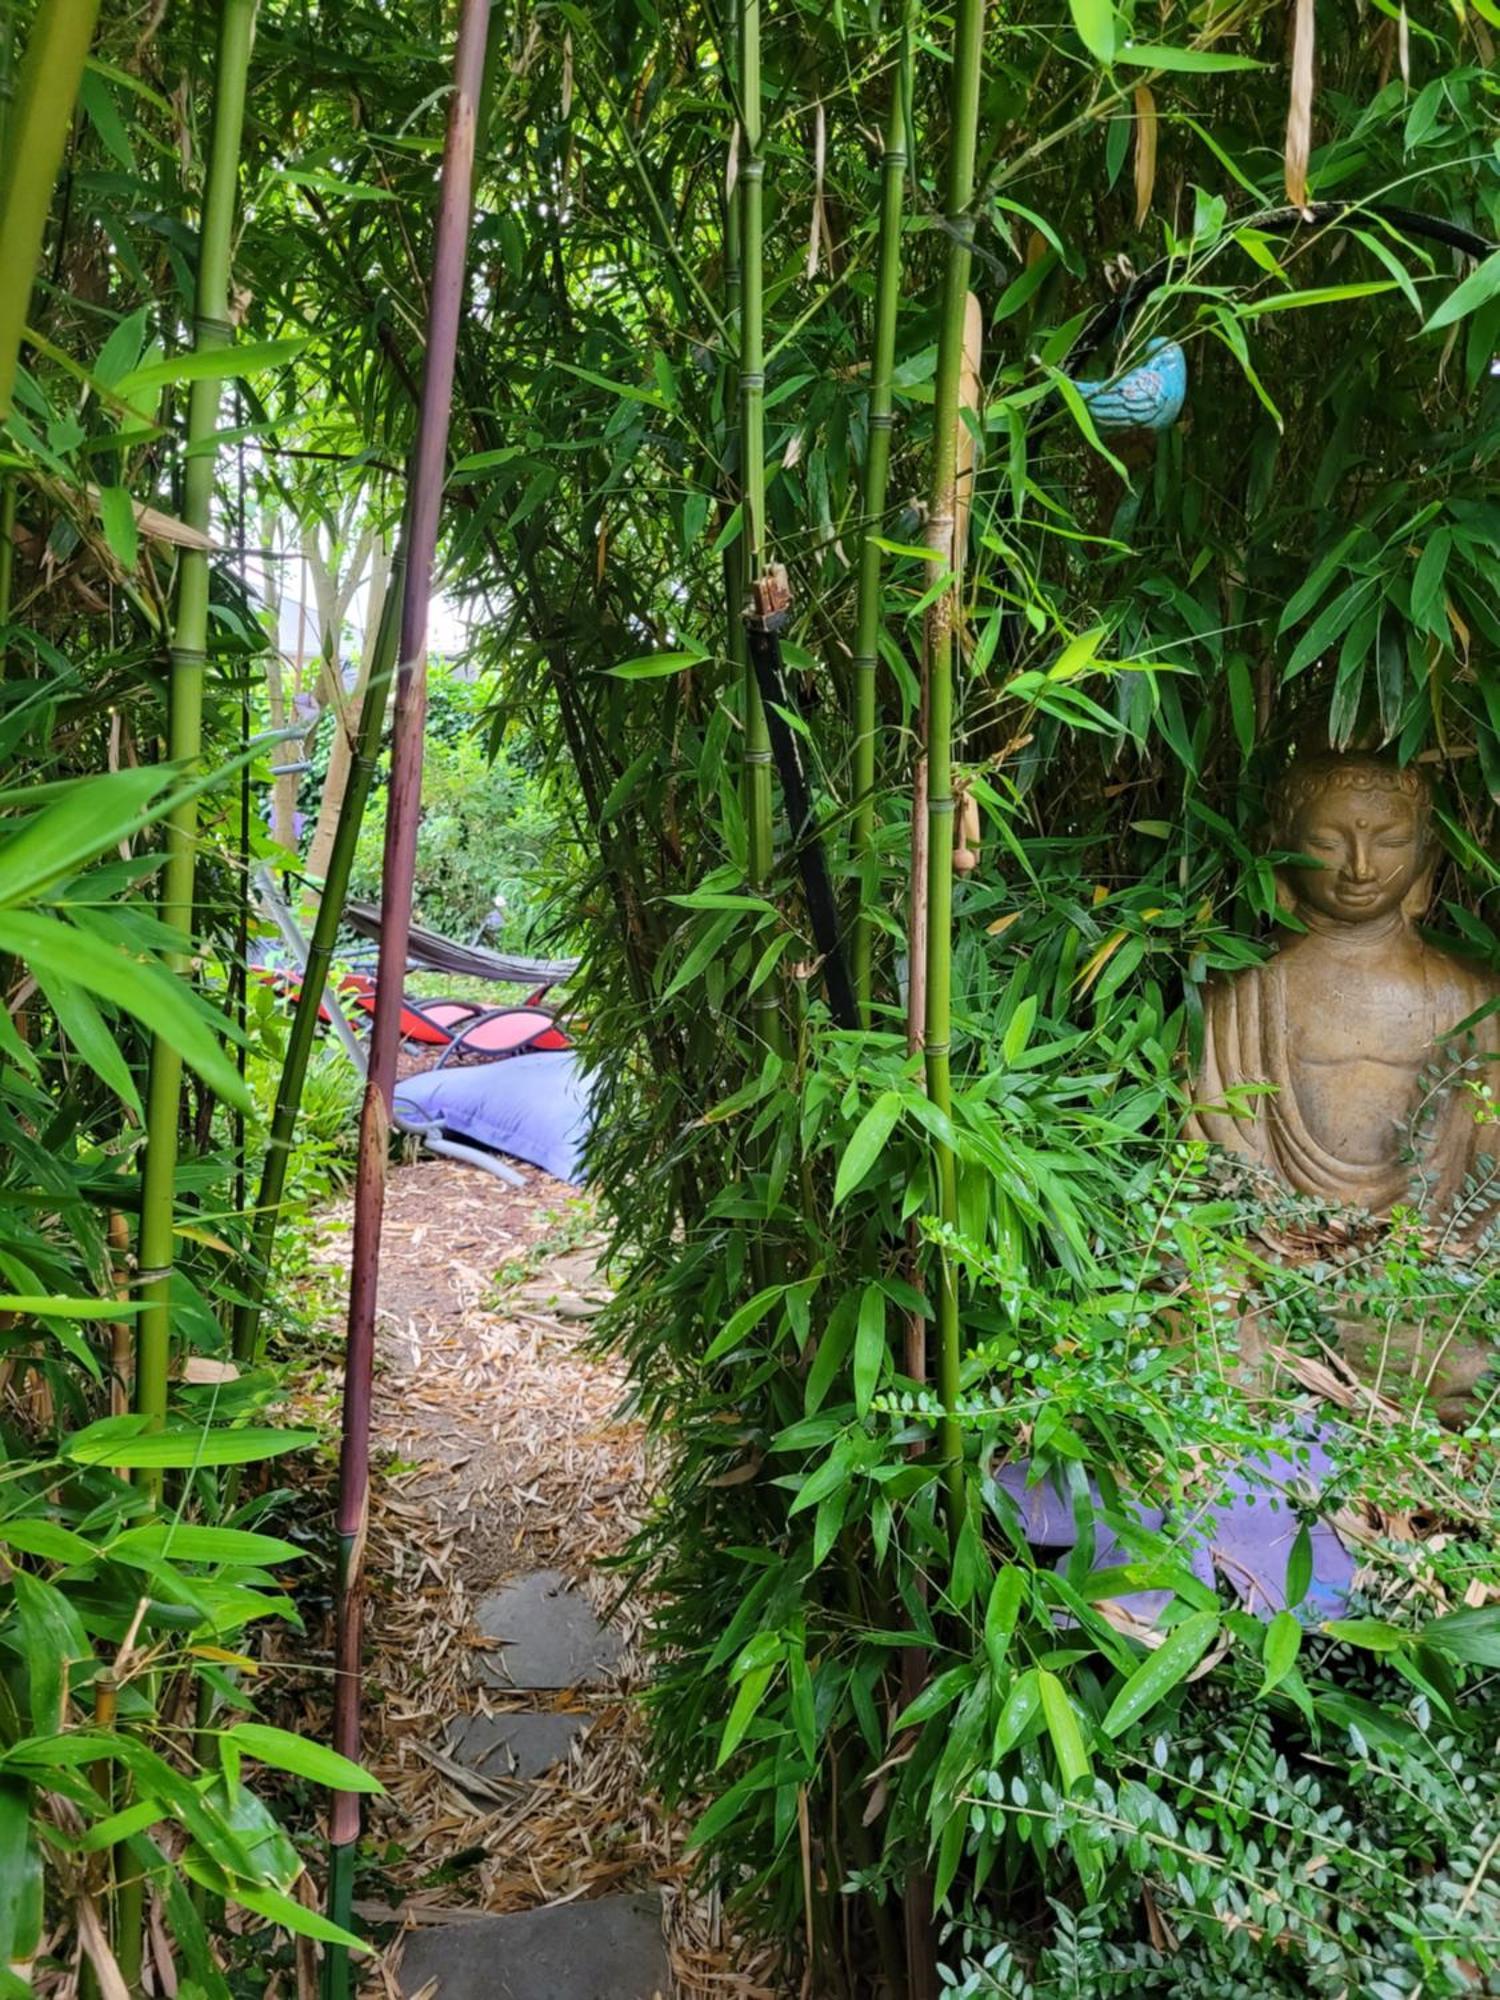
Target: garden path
[525, 1857]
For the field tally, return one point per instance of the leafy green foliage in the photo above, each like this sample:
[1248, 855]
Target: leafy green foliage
[1309, 556]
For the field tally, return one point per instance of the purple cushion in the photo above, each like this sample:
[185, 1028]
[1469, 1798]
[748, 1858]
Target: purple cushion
[536, 1107]
[1245, 1531]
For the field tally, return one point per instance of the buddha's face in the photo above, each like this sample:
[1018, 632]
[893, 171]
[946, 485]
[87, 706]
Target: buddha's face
[1369, 849]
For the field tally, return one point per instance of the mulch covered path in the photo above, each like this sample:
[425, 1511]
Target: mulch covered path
[500, 1449]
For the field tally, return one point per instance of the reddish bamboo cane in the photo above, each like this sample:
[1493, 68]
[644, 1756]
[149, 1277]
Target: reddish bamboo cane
[404, 804]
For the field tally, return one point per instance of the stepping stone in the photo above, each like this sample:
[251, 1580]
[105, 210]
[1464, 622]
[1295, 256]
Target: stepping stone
[552, 1638]
[514, 1746]
[609, 1950]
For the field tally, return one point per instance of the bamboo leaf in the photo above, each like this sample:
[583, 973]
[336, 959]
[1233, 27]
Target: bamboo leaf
[1372, 1635]
[83, 1024]
[286, 1912]
[751, 1693]
[1161, 1671]
[84, 823]
[20, 1877]
[1319, 295]
[117, 516]
[143, 989]
[210, 364]
[52, 1640]
[1470, 1636]
[656, 666]
[1187, 62]
[939, 1693]
[1095, 23]
[304, 1759]
[1022, 1706]
[1000, 1616]
[744, 1322]
[1078, 409]
[104, 1444]
[1481, 285]
[185, 1541]
[1068, 1746]
[870, 1349]
[48, 1539]
[866, 1143]
[1299, 1568]
[42, 1305]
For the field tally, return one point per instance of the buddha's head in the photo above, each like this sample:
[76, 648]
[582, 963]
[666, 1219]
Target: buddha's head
[1368, 828]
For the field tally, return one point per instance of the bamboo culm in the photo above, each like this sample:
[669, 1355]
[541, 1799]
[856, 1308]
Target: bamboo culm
[248, 1312]
[749, 191]
[428, 465]
[185, 709]
[36, 132]
[876, 475]
[941, 618]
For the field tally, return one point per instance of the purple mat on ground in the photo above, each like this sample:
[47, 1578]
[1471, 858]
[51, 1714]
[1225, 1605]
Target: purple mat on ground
[535, 1107]
[1245, 1532]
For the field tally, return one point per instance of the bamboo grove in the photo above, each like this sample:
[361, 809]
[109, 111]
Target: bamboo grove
[767, 351]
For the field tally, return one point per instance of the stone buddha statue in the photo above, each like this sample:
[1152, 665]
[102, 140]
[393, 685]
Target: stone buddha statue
[1369, 1087]
[1351, 1029]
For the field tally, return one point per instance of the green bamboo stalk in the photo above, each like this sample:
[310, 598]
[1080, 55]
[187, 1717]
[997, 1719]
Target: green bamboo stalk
[185, 709]
[877, 470]
[36, 133]
[752, 167]
[968, 46]
[250, 1309]
[7, 561]
[7, 71]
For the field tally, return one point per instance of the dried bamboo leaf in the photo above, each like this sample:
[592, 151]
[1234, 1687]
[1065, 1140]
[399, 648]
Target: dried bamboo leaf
[1145, 152]
[162, 527]
[970, 397]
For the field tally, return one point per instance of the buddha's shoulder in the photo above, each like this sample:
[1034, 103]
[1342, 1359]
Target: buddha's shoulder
[1460, 981]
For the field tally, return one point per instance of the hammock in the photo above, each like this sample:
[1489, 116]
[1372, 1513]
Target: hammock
[431, 952]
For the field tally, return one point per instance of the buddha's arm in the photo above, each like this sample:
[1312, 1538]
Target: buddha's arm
[1232, 1056]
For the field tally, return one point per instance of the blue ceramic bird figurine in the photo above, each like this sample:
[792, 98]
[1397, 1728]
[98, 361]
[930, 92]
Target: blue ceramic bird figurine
[1148, 398]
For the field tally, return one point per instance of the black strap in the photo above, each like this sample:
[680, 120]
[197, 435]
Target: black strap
[1113, 318]
[763, 635]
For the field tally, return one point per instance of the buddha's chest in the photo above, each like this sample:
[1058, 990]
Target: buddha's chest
[1357, 1040]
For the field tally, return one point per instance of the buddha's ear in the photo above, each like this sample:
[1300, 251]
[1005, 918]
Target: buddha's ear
[1419, 895]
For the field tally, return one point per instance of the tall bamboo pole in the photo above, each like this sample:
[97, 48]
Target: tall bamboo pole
[876, 476]
[366, 751]
[36, 131]
[968, 44]
[211, 329]
[404, 805]
[750, 189]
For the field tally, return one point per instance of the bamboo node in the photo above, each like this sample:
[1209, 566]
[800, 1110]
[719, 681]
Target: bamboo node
[187, 656]
[216, 329]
